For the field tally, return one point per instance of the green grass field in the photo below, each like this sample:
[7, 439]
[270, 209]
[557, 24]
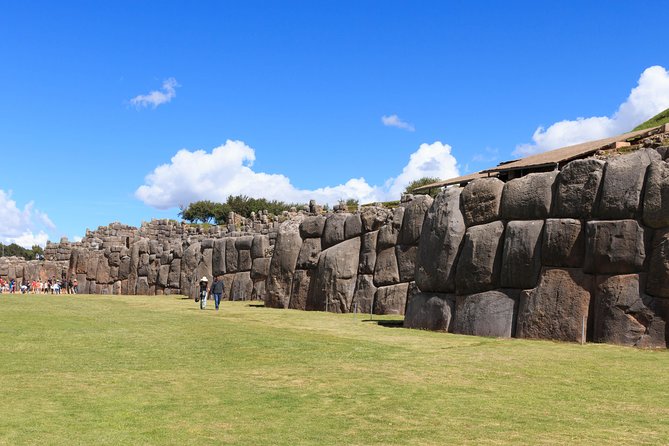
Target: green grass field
[157, 370]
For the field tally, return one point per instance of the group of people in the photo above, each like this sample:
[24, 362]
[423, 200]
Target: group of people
[216, 290]
[49, 286]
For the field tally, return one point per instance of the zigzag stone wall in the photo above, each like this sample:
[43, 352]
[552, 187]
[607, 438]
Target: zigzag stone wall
[583, 252]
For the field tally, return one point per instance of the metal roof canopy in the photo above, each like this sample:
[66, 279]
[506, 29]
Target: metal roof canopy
[456, 180]
[557, 156]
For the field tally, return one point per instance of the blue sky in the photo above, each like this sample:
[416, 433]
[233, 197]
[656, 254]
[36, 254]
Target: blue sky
[292, 100]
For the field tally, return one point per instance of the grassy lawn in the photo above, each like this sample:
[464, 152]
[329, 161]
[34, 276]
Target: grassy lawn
[157, 370]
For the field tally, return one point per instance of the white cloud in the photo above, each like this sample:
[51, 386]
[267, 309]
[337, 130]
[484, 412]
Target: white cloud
[395, 121]
[227, 170]
[647, 99]
[23, 227]
[77, 238]
[156, 98]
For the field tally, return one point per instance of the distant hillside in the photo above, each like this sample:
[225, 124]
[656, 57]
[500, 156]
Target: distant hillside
[659, 119]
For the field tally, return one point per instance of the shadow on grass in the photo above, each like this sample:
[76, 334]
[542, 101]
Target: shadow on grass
[257, 305]
[394, 323]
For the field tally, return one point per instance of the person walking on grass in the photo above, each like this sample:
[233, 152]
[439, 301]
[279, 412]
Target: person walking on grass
[217, 289]
[203, 291]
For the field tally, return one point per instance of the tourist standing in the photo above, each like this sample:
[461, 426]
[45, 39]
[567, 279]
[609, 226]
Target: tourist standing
[203, 291]
[217, 290]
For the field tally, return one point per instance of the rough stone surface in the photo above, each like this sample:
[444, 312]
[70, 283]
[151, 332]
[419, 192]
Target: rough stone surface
[365, 290]
[260, 268]
[308, 257]
[386, 270]
[412, 223]
[282, 266]
[335, 277]
[480, 260]
[334, 230]
[529, 197]
[243, 243]
[491, 313]
[245, 261]
[577, 189]
[242, 286]
[564, 243]
[481, 200]
[658, 272]
[656, 195]
[374, 217]
[259, 246]
[439, 244]
[300, 291]
[312, 226]
[622, 183]
[430, 311]
[368, 252]
[614, 247]
[231, 256]
[557, 307]
[352, 226]
[521, 259]
[391, 299]
[218, 258]
[624, 315]
[389, 234]
[406, 262]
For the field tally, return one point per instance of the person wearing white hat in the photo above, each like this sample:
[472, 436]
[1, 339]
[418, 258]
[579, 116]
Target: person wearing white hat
[204, 291]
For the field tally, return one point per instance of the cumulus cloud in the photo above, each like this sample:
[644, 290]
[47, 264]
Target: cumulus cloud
[25, 227]
[395, 121]
[648, 98]
[157, 97]
[227, 170]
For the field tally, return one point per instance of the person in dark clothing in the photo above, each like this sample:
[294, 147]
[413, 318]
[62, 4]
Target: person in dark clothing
[217, 290]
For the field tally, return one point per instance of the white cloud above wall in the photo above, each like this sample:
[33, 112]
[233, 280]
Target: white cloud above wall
[396, 121]
[25, 227]
[228, 170]
[648, 98]
[157, 97]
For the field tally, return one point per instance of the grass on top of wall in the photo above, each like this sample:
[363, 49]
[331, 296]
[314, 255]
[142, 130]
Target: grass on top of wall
[128, 370]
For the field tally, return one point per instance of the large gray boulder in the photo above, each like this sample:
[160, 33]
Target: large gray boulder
[352, 226]
[374, 217]
[529, 197]
[218, 258]
[244, 243]
[391, 299]
[481, 201]
[557, 308]
[386, 270]
[334, 230]
[333, 283]
[389, 233]
[491, 313]
[439, 243]
[242, 286]
[259, 246]
[308, 257]
[615, 247]
[174, 276]
[231, 256]
[312, 226]
[521, 259]
[244, 261]
[656, 195]
[622, 183]
[260, 268]
[624, 315]
[564, 243]
[365, 290]
[368, 252]
[414, 215]
[406, 262]
[300, 291]
[282, 266]
[577, 189]
[658, 272]
[430, 311]
[480, 260]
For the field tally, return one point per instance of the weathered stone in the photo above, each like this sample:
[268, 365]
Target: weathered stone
[218, 258]
[656, 195]
[142, 286]
[91, 266]
[260, 268]
[300, 292]
[282, 266]
[231, 256]
[103, 273]
[352, 226]
[391, 299]
[658, 272]
[577, 188]
[365, 290]
[143, 265]
[521, 260]
[624, 315]
[564, 243]
[439, 243]
[259, 246]
[244, 242]
[529, 197]
[242, 286]
[204, 266]
[228, 280]
[491, 313]
[259, 290]
[430, 311]
[374, 217]
[334, 230]
[173, 277]
[480, 260]
[312, 226]
[406, 262]
[622, 183]
[308, 257]
[334, 279]
[414, 215]
[557, 308]
[481, 200]
[163, 276]
[614, 247]
[386, 270]
[207, 243]
[245, 262]
[368, 252]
